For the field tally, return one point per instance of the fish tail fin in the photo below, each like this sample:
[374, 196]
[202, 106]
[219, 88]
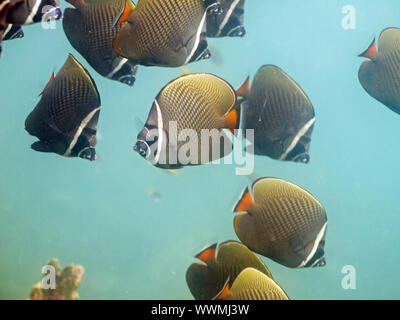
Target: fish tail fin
[224, 292]
[123, 16]
[244, 202]
[51, 79]
[232, 118]
[371, 51]
[244, 89]
[208, 254]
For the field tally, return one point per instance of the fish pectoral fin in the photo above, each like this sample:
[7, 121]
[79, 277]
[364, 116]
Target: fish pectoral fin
[41, 147]
[296, 244]
[244, 89]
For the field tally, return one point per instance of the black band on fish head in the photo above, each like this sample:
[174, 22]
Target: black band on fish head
[147, 142]
[299, 152]
[48, 10]
[84, 149]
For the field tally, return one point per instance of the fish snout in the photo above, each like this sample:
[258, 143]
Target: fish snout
[88, 154]
[141, 147]
[239, 32]
[130, 80]
[303, 158]
[205, 55]
[321, 262]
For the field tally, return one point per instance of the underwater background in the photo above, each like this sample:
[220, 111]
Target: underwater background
[99, 214]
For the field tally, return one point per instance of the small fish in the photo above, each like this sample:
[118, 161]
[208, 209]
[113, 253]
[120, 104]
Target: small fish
[89, 29]
[189, 104]
[154, 195]
[282, 222]
[65, 119]
[281, 115]
[34, 11]
[230, 22]
[206, 279]
[252, 284]
[380, 76]
[165, 33]
[173, 172]
[12, 31]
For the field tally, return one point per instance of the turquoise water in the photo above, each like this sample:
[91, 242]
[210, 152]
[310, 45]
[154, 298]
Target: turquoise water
[100, 216]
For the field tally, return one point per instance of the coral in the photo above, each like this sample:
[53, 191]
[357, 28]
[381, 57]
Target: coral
[68, 281]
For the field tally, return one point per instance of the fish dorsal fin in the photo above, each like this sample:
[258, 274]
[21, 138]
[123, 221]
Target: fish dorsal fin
[371, 51]
[71, 64]
[261, 186]
[40, 146]
[207, 255]
[245, 201]
[129, 6]
[389, 39]
[224, 292]
[251, 278]
[244, 89]
[77, 3]
[236, 254]
[50, 81]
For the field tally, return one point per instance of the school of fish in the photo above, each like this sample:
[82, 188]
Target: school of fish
[274, 218]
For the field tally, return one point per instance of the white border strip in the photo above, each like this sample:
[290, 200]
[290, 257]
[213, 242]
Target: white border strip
[315, 246]
[79, 131]
[29, 19]
[296, 139]
[227, 17]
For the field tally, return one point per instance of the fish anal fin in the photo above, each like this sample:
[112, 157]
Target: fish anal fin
[208, 254]
[245, 202]
[232, 120]
[371, 51]
[40, 146]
